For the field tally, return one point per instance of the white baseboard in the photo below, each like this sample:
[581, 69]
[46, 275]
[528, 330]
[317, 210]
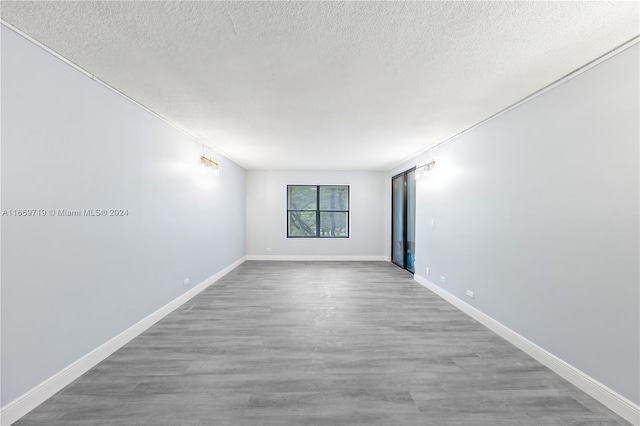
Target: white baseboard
[606, 396]
[20, 406]
[319, 258]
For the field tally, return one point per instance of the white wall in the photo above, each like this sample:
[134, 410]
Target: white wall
[267, 220]
[536, 212]
[71, 283]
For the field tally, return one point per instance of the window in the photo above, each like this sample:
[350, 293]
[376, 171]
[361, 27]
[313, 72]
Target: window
[317, 211]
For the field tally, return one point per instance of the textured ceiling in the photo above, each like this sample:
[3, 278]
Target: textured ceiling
[326, 85]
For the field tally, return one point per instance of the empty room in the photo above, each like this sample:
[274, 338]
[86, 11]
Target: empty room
[320, 213]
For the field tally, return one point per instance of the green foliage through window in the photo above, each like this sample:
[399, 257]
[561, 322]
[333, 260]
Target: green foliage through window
[317, 211]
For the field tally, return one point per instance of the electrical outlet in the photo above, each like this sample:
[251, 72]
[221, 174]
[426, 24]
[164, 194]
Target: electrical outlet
[470, 293]
[428, 271]
[443, 278]
[268, 248]
[433, 223]
[186, 281]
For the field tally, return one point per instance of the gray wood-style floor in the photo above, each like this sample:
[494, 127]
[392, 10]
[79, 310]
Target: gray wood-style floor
[319, 343]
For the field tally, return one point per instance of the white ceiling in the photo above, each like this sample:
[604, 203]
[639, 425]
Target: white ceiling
[326, 85]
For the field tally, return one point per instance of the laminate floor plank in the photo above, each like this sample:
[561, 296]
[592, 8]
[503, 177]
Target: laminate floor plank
[319, 343]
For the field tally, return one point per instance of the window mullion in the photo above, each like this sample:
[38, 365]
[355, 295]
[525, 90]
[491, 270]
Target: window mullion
[318, 211]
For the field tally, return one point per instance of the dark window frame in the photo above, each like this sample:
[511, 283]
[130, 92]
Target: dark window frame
[318, 211]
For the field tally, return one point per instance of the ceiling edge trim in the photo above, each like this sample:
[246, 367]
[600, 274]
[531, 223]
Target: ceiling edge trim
[97, 80]
[627, 44]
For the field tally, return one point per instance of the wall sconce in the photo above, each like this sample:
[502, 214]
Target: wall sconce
[208, 164]
[424, 169]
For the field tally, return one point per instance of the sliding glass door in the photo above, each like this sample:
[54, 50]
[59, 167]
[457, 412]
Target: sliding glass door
[403, 216]
[397, 224]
